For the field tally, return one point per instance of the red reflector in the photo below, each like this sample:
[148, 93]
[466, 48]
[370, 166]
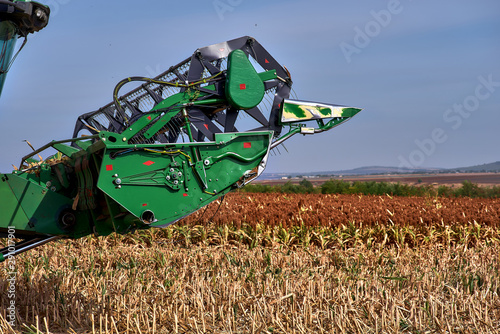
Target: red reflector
[148, 163]
[145, 204]
[149, 117]
[266, 61]
[243, 86]
[206, 126]
[247, 145]
[109, 167]
[185, 195]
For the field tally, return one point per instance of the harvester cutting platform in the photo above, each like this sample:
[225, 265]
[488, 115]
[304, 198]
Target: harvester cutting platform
[162, 151]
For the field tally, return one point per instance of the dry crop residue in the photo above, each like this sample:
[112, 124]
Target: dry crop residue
[275, 263]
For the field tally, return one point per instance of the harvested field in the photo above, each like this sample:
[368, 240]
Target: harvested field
[331, 210]
[276, 263]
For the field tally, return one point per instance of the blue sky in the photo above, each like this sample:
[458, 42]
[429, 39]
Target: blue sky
[427, 73]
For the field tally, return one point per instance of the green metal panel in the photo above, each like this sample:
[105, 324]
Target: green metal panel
[268, 75]
[37, 207]
[65, 149]
[174, 183]
[244, 87]
[11, 212]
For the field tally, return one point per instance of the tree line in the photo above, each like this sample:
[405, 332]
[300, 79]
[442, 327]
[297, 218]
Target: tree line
[467, 189]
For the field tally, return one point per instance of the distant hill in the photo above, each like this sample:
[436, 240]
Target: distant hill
[384, 170]
[370, 170]
[484, 168]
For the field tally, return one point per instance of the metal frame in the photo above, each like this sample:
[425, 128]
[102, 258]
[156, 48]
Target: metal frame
[204, 63]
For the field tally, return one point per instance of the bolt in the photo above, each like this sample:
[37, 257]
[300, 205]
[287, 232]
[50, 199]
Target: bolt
[53, 188]
[68, 219]
[206, 162]
[117, 181]
[40, 14]
[180, 174]
[171, 169]
[116, 175]
[48, 184]
[168, 177]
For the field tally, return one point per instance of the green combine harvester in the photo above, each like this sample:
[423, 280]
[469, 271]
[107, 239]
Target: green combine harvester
[18, 19]
[162, 151]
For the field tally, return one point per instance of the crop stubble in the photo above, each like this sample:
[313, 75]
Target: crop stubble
[277, 263]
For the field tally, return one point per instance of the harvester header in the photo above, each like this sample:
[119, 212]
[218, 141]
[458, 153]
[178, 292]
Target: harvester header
[163, 150]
